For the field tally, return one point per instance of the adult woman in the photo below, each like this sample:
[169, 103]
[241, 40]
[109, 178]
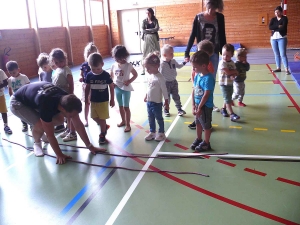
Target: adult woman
[278, 26]
[150, 36]
[209, 25]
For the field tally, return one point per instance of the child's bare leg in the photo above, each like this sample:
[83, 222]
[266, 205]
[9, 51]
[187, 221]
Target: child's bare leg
[199, 131]
[4, 118]
[224, 105]
[122, 113]
[102, 124]
[207, 133]
[127, 118]
[229, 107]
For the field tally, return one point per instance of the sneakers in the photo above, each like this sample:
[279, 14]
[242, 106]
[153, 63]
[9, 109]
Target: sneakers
[64, 134]
[224, 112]
[234, 117]
[277, 70]
[7, 130]
[203, 146]
[24, 128]
[160, 137]
[102, 139]
[70, 137]
[37, 149]
[181, 112]
[192, 125]
[195, 143]
[166, 112]
[288, 72]
[150, 136]
[242, 104]
[59, 129]
[216, 109]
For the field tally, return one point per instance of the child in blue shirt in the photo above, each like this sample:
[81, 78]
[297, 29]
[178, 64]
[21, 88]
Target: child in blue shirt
[204, 85]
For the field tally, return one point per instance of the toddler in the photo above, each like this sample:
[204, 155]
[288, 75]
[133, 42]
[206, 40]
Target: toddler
[239, 82]
[16, 81]
[156, 89]
[120, 73]
[3, 108]
[204, 85]
[84, 70]
[98, 81]
[63, 78]
[168, 70]
[45, 71]
[227, 73]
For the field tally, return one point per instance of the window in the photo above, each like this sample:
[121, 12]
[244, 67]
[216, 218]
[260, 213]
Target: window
[48, 13]
[76, 13]
[19, 19]
[97, 12]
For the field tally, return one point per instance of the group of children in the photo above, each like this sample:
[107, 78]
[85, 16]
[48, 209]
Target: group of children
[99, 87]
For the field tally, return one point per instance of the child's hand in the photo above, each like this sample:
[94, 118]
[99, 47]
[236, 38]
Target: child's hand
[127, 82]
[112, 103]
[145, 99]
[166, 106]
[232, 77]
[194, 109]
[80, 79]
[198, 113]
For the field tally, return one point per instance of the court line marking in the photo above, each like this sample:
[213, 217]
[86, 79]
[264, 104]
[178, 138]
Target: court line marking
[139, 177]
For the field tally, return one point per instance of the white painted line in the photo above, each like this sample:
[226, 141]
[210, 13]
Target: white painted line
[139, 177]
[20, 160]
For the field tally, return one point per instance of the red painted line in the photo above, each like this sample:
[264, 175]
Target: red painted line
[205, 156]
[140, 127]
[291, 106]
[226, 163]
[285, 90]
[216, 196]
[181, 146]
[288, 181]
[255, 172]
[167, 140]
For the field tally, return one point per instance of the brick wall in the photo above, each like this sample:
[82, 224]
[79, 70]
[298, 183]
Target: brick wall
[100, 34]
[23, 49]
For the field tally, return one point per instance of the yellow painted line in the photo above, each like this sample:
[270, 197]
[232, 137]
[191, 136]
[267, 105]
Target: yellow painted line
[215, 125]
[168, 120]
[266, 82]
[264, 129]
[288, 131]
[235, 127]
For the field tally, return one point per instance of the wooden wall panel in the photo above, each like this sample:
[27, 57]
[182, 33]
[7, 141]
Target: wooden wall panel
[100, 34]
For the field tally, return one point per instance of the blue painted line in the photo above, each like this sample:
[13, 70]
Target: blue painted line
[87, 186]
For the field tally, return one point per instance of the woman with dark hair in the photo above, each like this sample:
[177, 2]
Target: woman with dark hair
[150, 36]
[209, 25]
[278, 26]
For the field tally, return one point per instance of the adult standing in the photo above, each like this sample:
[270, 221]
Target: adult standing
[44, 106]
[278, 26]
[209, 25]
[150, 36]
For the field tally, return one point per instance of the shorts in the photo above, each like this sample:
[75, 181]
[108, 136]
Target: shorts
[227, 92]
[205, 118]
[83, 94]
[3, 108]
[25, 113]
[122, 96]
[99, 110]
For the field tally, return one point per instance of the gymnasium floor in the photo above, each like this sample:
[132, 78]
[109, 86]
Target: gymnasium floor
[37, 191]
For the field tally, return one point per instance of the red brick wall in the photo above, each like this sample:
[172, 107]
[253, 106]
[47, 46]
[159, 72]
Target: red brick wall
[23, 49]
[101, 40]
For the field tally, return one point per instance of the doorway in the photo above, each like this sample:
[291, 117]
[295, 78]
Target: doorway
[131, 32]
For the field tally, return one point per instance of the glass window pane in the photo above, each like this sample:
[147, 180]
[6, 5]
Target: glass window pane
[48, 13]
[76, 13]
[19, 10]
[97, 12]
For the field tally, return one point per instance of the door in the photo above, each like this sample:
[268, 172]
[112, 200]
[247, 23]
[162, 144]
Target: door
[131, 33]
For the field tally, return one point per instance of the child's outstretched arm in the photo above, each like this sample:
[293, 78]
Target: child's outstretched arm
[112, 95]
[87, 92]
[179, 66]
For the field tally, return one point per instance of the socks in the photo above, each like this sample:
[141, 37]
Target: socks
[44, 138]
[37, 149]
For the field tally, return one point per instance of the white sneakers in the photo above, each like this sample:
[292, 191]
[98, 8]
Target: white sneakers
[37, 149]
[156, 137]
[70, 137]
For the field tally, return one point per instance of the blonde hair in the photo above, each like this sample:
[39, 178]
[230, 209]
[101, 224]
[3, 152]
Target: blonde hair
[152, 59]
[206, 46]
[90, 48]
[241, 52]
[166, 48]
[42, 59]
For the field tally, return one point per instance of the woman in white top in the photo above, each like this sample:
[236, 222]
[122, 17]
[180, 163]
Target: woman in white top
[120, 74]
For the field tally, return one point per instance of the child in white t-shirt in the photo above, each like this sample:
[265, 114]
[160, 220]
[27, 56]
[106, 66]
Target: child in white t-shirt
[3, 108]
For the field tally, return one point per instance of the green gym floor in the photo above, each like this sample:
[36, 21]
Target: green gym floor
[37, 191]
